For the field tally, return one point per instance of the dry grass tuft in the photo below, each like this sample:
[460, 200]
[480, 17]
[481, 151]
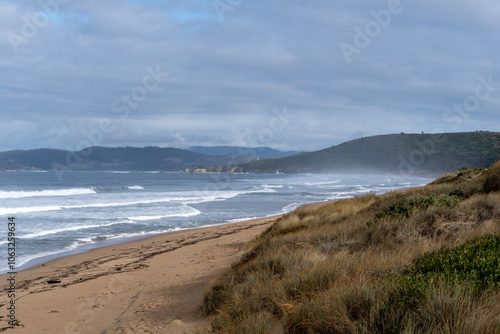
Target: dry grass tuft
[455, 309]
[492, 181]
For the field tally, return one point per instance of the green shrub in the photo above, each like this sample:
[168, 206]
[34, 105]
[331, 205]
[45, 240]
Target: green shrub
[475, 264]
[404, 208]
[458, 192]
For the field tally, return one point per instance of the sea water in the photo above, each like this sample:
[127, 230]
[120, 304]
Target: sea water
[57, 216]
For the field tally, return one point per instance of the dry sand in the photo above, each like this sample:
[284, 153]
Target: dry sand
[153, 285]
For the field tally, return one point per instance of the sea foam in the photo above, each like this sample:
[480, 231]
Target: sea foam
[69, 229]
[46, 193]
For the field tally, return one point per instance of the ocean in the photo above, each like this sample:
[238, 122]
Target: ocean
[57, 216]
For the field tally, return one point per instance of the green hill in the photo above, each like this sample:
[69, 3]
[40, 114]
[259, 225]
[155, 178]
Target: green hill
[398, 153]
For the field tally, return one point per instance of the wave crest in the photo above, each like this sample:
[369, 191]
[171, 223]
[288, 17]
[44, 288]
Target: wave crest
[46, 193]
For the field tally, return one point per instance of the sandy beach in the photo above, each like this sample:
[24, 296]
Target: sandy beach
[153, 285]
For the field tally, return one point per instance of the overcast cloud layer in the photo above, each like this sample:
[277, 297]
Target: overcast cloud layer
[286, 74]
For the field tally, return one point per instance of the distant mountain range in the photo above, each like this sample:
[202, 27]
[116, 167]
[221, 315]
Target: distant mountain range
[260, 152]
[130, 158]
[422, 154]
[431, 154]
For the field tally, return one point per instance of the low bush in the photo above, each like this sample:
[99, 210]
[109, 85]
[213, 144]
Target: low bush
[475, 264]
[404, 208]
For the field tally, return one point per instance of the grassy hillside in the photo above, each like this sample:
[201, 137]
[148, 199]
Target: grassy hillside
[403, 153]
[422, 260]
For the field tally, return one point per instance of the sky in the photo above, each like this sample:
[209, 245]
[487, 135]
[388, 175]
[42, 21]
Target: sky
[292, 75]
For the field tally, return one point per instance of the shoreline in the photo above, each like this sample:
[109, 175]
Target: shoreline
[85, 248]
[153, 284]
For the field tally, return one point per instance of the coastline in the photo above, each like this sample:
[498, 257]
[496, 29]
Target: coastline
[84, 248]
[153, 284]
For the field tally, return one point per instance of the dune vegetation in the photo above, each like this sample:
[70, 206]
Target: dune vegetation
[421, 260]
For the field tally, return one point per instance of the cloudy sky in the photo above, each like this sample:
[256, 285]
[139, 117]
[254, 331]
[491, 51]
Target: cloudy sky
[286, 74]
